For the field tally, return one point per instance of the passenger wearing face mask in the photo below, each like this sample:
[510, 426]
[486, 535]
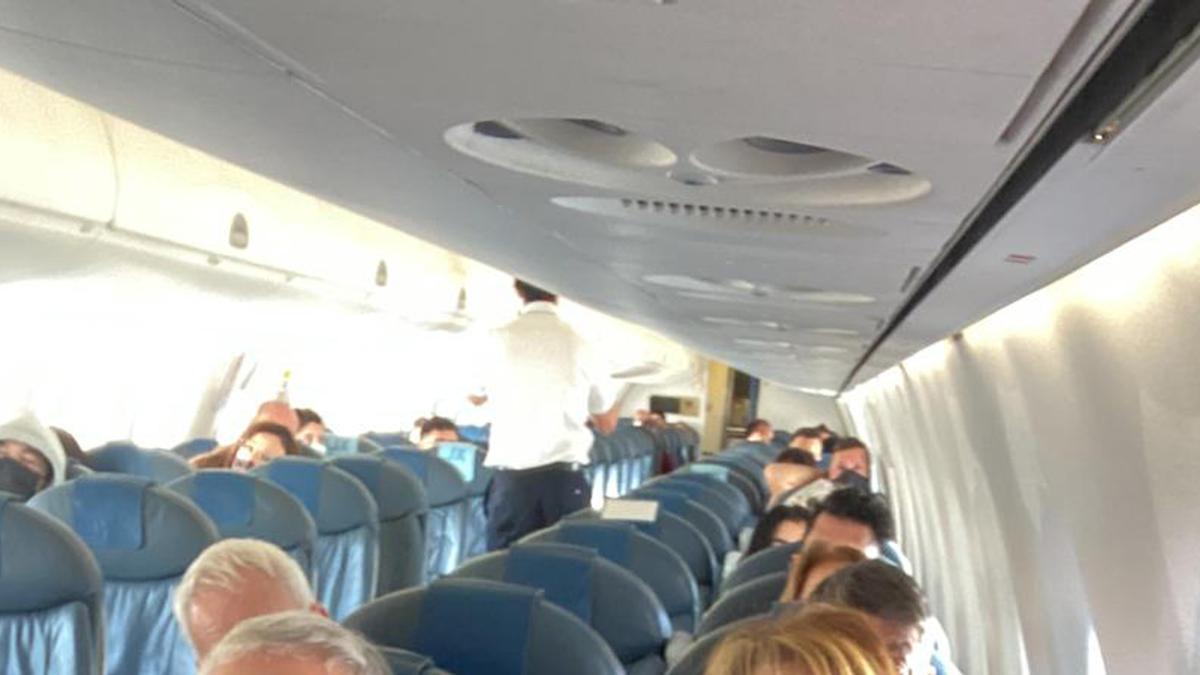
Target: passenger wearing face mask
[849, 466]
[259, 444]
[312, 430]
[31, 457]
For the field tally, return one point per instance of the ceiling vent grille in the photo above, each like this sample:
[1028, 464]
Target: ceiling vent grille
[693, 210]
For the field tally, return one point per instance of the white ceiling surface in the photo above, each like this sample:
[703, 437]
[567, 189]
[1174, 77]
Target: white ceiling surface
[374, 85]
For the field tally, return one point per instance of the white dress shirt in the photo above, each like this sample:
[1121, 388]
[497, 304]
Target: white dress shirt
[542, 382]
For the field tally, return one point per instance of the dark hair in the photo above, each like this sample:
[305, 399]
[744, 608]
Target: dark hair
[437, 424]
[849, 443]
[307, 416]
[764, 531]
[795, 456]
[806, 432]
[290, 446]
[861, 507]
[877, 588]
[71, 447]
[755, 425]
[530, 293]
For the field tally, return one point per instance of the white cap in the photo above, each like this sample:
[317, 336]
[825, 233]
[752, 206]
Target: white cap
[27, 429]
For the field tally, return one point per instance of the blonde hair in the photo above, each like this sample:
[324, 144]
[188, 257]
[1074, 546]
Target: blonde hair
[814, 554]
[820, 640]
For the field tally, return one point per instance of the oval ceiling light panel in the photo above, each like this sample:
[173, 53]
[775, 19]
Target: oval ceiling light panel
[767, 157]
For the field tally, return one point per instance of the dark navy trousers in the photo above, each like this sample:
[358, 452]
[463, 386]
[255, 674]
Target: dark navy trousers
[526, 500]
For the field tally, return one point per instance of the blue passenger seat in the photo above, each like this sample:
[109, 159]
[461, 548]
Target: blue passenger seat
[610, 599]
[447, 493]
[477, 627]
[468, 459]
[159, 466]
[51, 611]
[404, 662]
[347, 556]
[402, 508]
[767, 561]
[246, 506]
[648, 559]
[732, 512]
[144, 537]
[753, 598]
[678, 503]
[194, 447]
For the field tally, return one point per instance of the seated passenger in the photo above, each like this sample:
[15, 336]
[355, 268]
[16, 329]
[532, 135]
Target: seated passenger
[780, 525]
[312, 428]
[828, 438]
[234, 580]
[293, 643]
[655, 420]
[280, 413]
[759, 431]
[31, 457]
[851, 517]
[71, 447]
[817, 562]
[893, 604]
[792, 469]
[437, 430]
[820, 640]
[850, 463]
[809, 440]
[261, 443]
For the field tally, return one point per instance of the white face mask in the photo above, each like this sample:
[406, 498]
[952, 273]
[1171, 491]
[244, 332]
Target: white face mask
[318, 447]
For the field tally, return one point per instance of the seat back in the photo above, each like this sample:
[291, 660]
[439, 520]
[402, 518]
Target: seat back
[747, 471]
[404, 662]
[144, 537]
[159, 466]
[610, 599]
[194, 447]
[468, 459]
[597, 469]
[649, 560]
[389, 439]
[244, 505]
[402, 507]
[685, 540]
[709, 524]
[731, 512]
[767, 561]
[347, 555]
[753, 598]
[51, 612]
[760, 453]
[447, 493]
[478, 627]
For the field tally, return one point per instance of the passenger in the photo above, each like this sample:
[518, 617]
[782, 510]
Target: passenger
[414, 436]
[261, 443]
[892, 602]
[791, 469]
[850, 463]
[781, 525]
[293, 643]
[759, 431]
[544, 382]
[437, 430]
[71, 447]
[312, 428]
[234, 580]
[851, 517]
[828, 438]
[31, 457]
[819, 640]
[817, 562]
[809, 440]
[280, 413]
[655, 420]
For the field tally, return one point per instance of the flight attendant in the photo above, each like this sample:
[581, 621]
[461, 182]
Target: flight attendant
[542, 383]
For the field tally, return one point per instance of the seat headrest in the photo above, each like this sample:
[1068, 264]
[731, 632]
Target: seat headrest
[404, 662]
[443, 483]
[196, 446]
[137, 530]
[563, 572]
[461, 456]
[43, 564]
[336, 500]
[613, 540]
[397, 491]
[450, 621]
[157, 465]
[670, 500]
[389, 439]
[244, 505]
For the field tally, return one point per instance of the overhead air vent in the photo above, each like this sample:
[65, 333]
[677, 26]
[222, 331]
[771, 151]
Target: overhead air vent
[239, 232]
[694, 210]
[597, 125]
[496, 129]
[782, 147]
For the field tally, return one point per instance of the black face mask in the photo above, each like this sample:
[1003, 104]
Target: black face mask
[854, 479]
[18, 479]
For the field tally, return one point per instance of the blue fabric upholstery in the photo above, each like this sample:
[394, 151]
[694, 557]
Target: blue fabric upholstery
[753, 598]
[474, 434]
[347, 519]
[477, 627]
[143, 537]
[468, 459]
[244, 505]
[194, 447]
[404, 662]
[447, 492]
[731, 514]
[620, 607]
[389, 439]
[51, 613]
[748, 470]
[403, 506]
[159, 466]
[767, 561]
[709, 524]
[648, 559]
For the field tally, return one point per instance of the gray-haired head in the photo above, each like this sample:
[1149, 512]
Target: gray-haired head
[234, 580]
[293, 642]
